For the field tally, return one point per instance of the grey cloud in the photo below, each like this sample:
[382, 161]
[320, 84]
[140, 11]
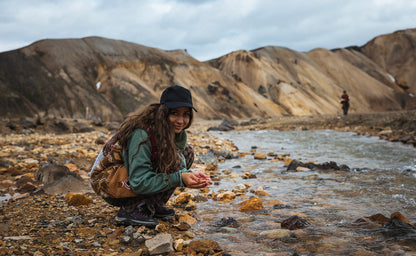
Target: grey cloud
[207, 29]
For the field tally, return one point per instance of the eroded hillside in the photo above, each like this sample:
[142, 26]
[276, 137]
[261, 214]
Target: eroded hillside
[107, 79]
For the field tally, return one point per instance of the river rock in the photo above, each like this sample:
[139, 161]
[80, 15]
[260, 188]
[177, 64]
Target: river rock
[190, 206]
[208, 158]
[331, 165]
[294, 164]
[160, 244]
[7, 183]
[233, 175]
[260, 156]
[295, 222]
[253, 204]
[65, 185]
[312, 177]
[204, 246]
[282, 157]
[385, 133]
[73, 168]
[226, 125]
[82, 127]
[61, 126]
[397, 228]
[377, 218]
[211, 168]
[4, 227]
[405, 139]
[183, 198]
[276, 234]
[399, 216]
[178, 244]
[100, 141]
[261, 192]
[248, 175]
[240, 189]
[228, 222]
[182, 226]
[25, 184]
[186, 218]
[77, 199]
[302, 169]
[52, 172]
[223, 154]
[225, 196]
[189, 234]
[27, 123]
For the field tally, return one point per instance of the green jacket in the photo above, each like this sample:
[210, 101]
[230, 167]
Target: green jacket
[142, 178]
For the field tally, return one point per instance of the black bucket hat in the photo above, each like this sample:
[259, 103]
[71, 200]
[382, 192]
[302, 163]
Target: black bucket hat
[176, 96]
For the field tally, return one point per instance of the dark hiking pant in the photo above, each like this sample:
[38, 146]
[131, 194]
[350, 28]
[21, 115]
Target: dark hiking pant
[345, 107]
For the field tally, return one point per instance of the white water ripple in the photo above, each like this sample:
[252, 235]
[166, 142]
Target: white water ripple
[327, 145]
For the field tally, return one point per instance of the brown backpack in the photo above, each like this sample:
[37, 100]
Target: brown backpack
[109, 176]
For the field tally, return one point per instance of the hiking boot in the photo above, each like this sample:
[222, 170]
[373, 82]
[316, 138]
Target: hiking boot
[139, 217]
[161, 212]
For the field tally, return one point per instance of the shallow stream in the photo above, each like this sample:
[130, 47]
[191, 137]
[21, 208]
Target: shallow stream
[382, 180]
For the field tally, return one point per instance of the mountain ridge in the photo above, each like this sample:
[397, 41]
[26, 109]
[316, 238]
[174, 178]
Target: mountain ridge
[60, 78]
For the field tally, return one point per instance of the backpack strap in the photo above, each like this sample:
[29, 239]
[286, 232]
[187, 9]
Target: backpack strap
[154, 148]
[153, 141]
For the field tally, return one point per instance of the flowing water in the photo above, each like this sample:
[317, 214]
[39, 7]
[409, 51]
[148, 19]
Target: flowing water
[382, 180]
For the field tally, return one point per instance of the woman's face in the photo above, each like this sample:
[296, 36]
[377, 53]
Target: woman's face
[179, 117]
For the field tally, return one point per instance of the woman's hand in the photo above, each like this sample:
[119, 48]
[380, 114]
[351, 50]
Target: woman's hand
[195, 179]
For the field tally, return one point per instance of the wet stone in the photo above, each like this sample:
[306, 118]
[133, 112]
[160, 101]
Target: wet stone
[397, 227]
[228, 222]
[204, 246]
[253, 204]
[178, 244]
[96, 244]
[260, 156]
[281, 206]
[136, 242]
[125, 240]
[129, 230]
[160, 244]
[228, 230]
[276, 234]
[295, 222]
[100, 141]
[183, 226]
[379, 218]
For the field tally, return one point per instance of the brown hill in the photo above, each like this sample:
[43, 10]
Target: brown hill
[60, 78]
[396, 54]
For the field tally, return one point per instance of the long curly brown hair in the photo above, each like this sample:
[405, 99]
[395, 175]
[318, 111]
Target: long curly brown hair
[154, 119]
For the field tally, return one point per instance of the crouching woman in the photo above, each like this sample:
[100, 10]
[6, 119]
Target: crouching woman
[153, 151]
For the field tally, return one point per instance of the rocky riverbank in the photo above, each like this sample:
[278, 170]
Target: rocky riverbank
[397, 126]
[40, 217]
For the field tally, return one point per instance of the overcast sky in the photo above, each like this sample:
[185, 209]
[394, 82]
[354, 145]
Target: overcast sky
[206, 28]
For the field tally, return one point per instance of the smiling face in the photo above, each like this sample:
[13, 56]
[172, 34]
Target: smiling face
[179, 118]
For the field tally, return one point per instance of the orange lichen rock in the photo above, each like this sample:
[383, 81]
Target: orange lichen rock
[252, 204]
[77, 199]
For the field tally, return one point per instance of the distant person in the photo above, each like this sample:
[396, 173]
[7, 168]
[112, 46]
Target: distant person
[157, 157]
[345, 101]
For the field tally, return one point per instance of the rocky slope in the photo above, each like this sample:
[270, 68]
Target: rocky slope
[40, 219]
[106, 79]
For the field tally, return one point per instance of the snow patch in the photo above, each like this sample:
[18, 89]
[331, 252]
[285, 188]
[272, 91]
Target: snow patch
[391, 77]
